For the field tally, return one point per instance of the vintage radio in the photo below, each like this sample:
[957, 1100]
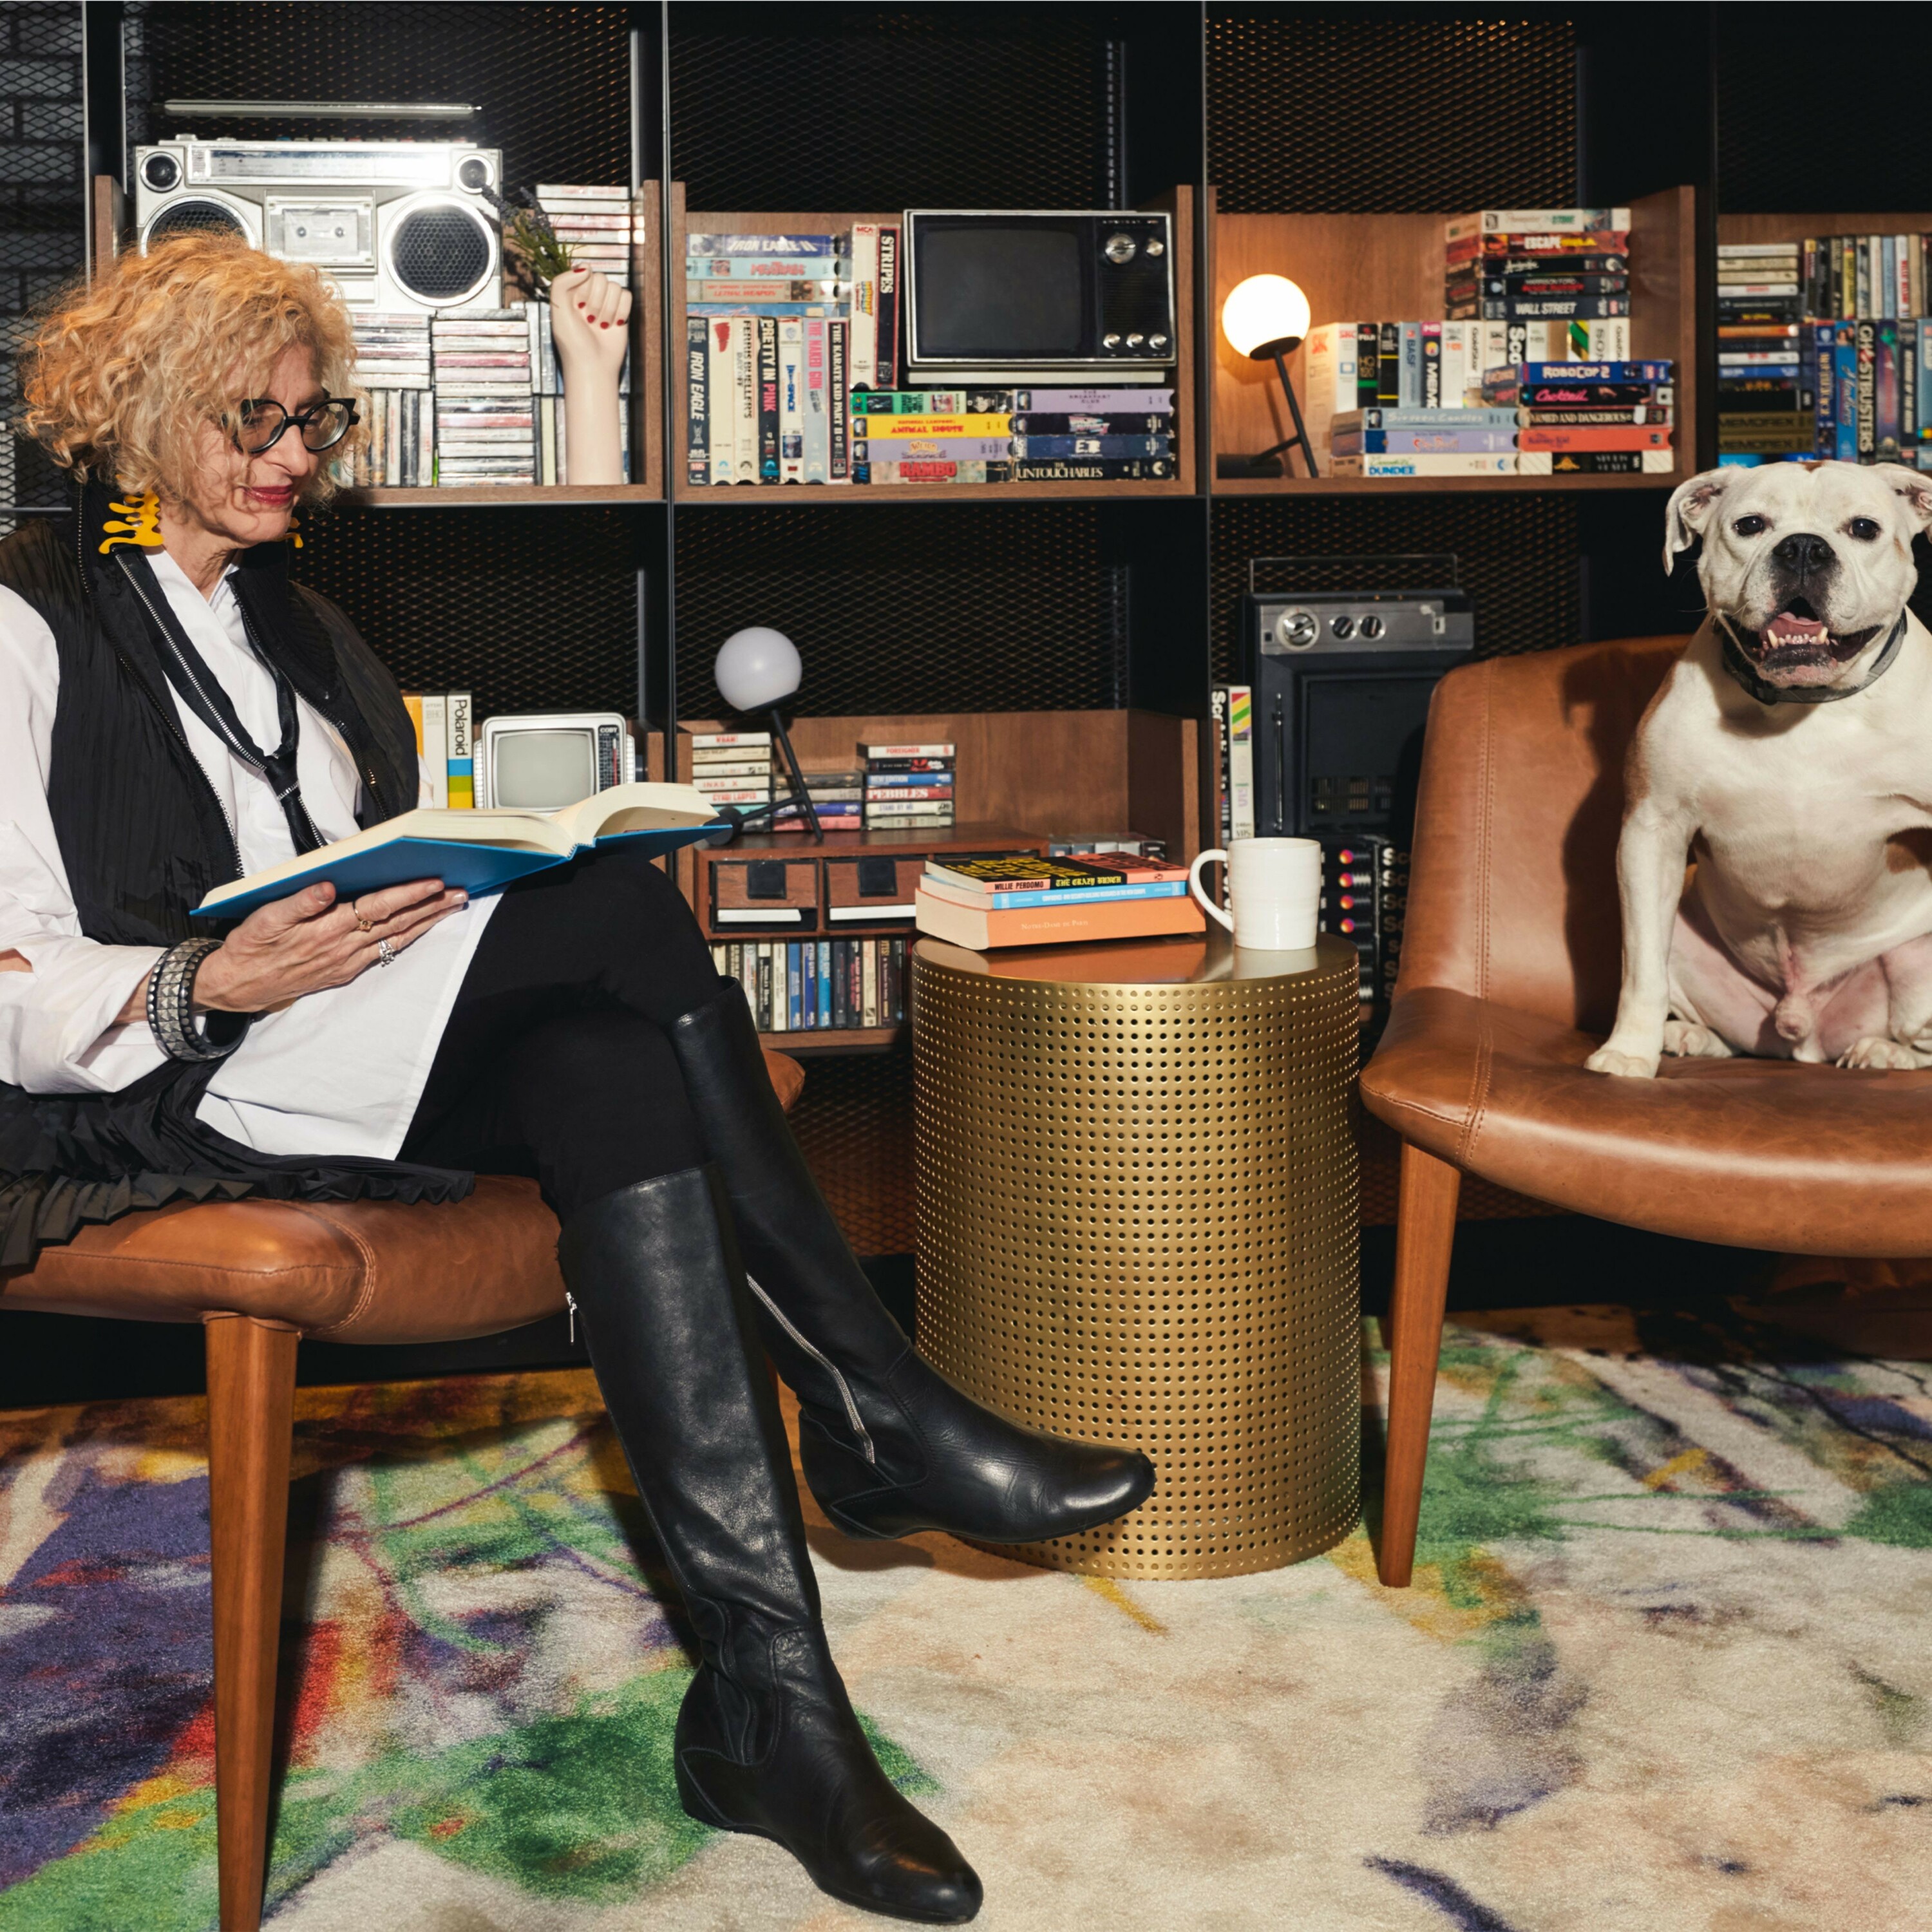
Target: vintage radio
[396, 225]
[1038, 297]
[1342, 681]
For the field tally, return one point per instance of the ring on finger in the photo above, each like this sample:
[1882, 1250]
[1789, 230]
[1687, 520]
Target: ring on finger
[364, 925]
[385, 953]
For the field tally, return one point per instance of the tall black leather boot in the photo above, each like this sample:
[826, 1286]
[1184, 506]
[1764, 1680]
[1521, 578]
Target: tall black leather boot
[889, 1445]
[767, 1741]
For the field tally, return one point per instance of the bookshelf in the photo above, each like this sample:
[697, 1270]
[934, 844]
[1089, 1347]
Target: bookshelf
[1390, 265]
[1180, 203]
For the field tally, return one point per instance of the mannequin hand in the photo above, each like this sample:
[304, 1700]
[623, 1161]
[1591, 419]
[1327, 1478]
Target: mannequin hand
[308, 942]
[588, 312]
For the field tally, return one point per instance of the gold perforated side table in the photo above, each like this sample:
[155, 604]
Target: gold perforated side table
[1137, 1224]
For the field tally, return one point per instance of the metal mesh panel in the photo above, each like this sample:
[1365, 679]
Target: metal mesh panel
[1518, 555]
[853, 1121]
[1852, 156]
[553, 82]
[909, 608]
[43, 210]
[1339, 109]
[862, 107]
[534, 612]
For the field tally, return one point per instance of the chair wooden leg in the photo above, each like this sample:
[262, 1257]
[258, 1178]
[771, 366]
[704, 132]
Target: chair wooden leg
[251, 1387]
[1425, 1231]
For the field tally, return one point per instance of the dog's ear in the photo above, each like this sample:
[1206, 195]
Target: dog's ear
[1690, 510]
[1914, 487]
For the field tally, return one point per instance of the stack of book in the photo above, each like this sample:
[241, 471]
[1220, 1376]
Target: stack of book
[392, 363]
[1012, 435]
[769, 330]
[839, 798]
[445, 723]
[805, 985]
[909, 787]
[1566, 264]
[1589, 418]
[1767, 399]
[984, 903]
[485, 411]
[731, 767]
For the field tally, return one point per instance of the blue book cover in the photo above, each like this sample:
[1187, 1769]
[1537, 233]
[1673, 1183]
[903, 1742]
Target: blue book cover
[653, 818]
[1826, 389]
[1062, 446]
[794, 988]
[1580, 372]
[808, 984]
[1845, 389]
[825, 982]
[1157, 888]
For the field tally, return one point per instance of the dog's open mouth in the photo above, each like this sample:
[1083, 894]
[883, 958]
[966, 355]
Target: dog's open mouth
[1799, 647]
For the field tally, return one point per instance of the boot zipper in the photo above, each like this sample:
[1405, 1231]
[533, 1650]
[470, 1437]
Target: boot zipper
[852, 1415]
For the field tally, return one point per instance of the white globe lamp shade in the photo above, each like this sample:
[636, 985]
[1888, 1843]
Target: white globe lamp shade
[756, 668]
[1262, 311]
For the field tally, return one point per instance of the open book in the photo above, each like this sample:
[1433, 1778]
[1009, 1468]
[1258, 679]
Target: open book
[482, 851]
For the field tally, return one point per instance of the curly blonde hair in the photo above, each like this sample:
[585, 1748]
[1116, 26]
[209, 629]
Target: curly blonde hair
[125, 370]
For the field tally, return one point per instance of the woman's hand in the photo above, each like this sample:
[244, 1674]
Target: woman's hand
[587, 314]
[306, 942]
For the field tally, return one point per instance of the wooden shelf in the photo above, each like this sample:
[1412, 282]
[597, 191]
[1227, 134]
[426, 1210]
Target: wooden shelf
[817, 1043]
[1180, 204]
[470, 495]
[1391, 266]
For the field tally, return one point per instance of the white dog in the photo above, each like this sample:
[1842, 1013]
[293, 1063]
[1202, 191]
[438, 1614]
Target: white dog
[1788, 755]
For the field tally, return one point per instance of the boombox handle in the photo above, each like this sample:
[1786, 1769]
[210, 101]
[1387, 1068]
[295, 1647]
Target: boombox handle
[1448, 567]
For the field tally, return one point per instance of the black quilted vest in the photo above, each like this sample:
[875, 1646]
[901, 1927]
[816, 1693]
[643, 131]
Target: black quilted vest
[143, 838]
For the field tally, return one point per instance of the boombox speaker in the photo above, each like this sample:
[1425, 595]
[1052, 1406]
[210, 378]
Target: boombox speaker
[397, 225]
[1341, 681]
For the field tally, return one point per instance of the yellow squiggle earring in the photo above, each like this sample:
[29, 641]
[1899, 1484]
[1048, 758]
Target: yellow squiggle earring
[143, 528]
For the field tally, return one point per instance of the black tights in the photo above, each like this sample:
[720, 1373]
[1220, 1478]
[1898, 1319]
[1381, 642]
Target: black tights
[555, 1062]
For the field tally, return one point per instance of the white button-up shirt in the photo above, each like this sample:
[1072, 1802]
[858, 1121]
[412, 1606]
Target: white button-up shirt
[338, 1072]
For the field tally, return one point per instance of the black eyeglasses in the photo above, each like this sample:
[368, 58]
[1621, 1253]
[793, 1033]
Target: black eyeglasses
[258, 423]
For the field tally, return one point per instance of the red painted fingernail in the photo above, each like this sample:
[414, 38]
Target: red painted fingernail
[580, 304]
[603, 324]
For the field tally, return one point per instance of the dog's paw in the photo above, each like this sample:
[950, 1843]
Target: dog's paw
[1876, 1051]
[1625, 1065]
[1687, 1040]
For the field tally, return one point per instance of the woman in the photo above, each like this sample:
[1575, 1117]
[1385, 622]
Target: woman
[175, 712]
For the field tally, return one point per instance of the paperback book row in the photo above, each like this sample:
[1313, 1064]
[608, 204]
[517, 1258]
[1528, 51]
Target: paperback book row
[1797, 379]
[808, 985]
[792, 367]
[1564, 265]
[476, 396]
[900, 788]
[983, 903]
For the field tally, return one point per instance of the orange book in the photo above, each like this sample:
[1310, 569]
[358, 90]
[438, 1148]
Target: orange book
[1054, 926]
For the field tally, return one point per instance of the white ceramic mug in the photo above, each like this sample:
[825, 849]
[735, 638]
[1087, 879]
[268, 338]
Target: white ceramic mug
[1274, 886]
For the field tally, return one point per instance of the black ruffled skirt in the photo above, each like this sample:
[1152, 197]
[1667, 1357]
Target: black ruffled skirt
[66, 1159]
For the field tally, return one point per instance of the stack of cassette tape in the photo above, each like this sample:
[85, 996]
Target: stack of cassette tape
[1824, 349]
[1566, 264]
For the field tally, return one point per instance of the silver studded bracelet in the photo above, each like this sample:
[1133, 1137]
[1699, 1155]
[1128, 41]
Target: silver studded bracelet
[171, 1015]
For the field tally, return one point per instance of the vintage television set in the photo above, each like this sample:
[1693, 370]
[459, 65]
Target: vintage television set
[396, 225]
[542, 760]
[1039, 296]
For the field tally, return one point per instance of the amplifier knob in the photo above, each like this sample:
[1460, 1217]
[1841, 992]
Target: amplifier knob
[1343, 627]
[1297, 629]
[1156, 342]
[1157, 247]
[1372, 628]
[1120, 248]
[1110, 342]
[473, 172]
[1135, 340]
[161, 172]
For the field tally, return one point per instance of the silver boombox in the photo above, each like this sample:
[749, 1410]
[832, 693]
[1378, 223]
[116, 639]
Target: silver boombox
[396, 225]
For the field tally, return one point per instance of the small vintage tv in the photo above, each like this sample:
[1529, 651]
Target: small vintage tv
[1038, 296]
[543, 760]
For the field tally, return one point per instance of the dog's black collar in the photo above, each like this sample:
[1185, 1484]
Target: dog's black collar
[1739, 666]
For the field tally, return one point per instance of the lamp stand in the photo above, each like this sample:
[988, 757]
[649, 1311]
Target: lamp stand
[800, 796]
[1272, 461]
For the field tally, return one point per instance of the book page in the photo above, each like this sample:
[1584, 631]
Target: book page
[631, 808]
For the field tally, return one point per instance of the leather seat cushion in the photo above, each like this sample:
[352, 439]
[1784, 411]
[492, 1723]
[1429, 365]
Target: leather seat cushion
[1759, 1154]
[375, 1271]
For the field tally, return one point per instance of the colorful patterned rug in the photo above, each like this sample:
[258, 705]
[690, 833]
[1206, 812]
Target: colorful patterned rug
[1667, 1668]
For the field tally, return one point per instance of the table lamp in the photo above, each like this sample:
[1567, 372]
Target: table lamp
[756, 669]
[1264, 318]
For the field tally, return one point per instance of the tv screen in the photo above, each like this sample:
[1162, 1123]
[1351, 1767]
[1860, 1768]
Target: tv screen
[999, 292]
[541, 771]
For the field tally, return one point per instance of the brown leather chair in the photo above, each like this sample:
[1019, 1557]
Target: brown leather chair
[260, 1275]
[1510, 964]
